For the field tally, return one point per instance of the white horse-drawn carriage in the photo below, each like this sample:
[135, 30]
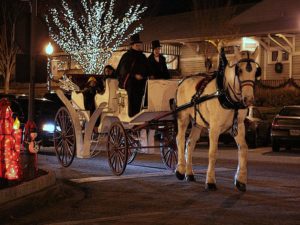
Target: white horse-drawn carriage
[77, 132]
[230, 91]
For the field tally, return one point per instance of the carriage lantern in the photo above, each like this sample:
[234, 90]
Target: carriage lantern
[10, 143]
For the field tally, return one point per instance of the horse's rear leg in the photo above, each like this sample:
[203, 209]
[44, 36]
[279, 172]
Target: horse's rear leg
[183, 122]
[190, 146]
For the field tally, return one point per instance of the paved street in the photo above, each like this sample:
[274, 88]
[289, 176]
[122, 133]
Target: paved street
[88, 193]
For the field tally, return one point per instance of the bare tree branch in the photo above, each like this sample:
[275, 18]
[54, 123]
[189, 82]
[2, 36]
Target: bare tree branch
[10, 10]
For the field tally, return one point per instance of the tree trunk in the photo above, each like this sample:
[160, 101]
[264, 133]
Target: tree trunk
[6, 82]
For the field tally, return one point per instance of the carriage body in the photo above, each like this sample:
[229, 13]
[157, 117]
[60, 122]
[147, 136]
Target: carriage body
[90, 137]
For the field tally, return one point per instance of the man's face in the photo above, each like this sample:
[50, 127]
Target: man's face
[93, 83]
[137, 46]
[156, 51]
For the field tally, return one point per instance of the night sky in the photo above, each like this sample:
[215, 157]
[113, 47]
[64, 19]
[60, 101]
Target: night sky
[168, 7]
[156, 7]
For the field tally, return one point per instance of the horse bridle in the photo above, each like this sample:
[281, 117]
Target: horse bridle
[238, 70]
[248, 69]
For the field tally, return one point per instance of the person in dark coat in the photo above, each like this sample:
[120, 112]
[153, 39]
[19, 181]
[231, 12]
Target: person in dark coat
[157, 63]
[92, 88]
[132, 73]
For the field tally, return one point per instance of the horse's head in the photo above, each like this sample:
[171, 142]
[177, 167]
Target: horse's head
[246, 72]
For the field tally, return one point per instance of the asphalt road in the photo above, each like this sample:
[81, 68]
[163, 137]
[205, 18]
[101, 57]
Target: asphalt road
[88, 193]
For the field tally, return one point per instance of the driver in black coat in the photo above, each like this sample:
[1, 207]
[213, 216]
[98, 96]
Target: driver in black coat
[132, 73]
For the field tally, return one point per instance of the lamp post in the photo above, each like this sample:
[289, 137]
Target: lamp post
[49, 50]
[33, 14]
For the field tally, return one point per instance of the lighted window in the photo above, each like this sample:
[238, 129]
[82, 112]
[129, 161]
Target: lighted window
[249, 44]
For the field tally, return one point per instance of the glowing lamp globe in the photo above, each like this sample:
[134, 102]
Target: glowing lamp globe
[49, 49]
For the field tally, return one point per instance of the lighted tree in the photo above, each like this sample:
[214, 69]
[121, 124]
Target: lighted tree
[92, 36]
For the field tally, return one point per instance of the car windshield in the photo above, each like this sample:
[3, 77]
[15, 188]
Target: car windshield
[290, 111]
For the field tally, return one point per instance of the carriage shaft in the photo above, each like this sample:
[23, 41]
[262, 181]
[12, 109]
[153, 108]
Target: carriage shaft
[195, 101]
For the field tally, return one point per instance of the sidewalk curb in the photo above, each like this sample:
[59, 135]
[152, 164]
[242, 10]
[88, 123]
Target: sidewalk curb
[27, 188]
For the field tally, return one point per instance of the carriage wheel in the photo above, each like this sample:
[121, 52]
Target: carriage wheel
[168, 149]
[64, 137]
[134, 146]
[117, 148]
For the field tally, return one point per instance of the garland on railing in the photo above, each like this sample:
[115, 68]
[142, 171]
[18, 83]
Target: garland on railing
[285, 83]
[67, 85]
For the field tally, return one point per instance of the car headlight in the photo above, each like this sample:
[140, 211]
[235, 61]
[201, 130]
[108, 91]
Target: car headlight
[49, 127]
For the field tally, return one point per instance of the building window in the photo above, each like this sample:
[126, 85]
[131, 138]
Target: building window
[285, 56]
[275, 55]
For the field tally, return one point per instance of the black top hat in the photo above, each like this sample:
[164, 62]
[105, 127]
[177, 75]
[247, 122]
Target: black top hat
[135, 39]
[156, 44]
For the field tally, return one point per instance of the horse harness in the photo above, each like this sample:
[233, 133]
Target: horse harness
[223, 94]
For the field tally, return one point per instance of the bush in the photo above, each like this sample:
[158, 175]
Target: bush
[278, 97]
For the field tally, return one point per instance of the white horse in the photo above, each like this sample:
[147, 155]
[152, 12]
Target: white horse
[238, 83]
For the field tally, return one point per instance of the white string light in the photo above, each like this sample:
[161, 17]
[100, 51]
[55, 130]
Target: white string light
[93, 38]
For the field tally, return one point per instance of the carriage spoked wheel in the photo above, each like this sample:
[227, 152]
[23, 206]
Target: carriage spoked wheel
[64, 137]
[168, 149]
[117, 148]
[134, 145]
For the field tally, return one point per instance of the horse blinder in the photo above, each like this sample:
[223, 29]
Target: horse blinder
[258, 73]
[238, 70]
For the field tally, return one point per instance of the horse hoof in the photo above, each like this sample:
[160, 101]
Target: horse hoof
[240, 186]
[179, 175]
[190, 178]
[210, 187]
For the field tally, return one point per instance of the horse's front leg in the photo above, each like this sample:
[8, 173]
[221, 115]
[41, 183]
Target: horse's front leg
[190, 146]
[214, 134]
[240, 179]
[183, 122]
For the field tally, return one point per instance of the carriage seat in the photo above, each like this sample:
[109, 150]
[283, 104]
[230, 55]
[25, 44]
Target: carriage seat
[109, 96]
[77, 100]
[159, 94]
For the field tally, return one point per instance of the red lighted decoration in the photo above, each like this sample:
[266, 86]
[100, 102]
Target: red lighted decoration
[10, 143]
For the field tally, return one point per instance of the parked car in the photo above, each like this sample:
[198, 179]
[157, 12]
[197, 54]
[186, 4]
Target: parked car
[285, 129]
[45, 111]
[257, 130]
